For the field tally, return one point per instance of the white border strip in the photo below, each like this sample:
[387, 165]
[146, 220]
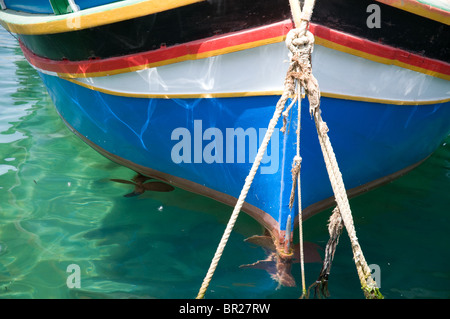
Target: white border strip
[263, 69]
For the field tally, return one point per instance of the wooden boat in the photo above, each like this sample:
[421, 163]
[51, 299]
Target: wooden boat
[183, 91]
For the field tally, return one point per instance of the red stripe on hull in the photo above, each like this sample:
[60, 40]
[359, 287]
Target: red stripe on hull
[238, 40]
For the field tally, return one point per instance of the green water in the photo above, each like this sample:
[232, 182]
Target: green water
[58, 207]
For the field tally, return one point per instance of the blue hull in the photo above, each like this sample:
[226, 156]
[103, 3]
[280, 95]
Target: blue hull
[187, 139]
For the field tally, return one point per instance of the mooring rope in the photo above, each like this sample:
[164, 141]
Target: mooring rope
[289, 89]
[288, 92]
[300, 42]
[301, 24]
[302, 46]
[335, 226]
[297, 164]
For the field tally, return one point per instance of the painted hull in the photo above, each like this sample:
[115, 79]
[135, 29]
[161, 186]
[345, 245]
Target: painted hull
[371, 141]
[193, 113]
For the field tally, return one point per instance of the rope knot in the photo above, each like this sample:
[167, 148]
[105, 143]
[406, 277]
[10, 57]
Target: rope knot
[296, 165]
[300, 42]
[323, 128]
[297, 160]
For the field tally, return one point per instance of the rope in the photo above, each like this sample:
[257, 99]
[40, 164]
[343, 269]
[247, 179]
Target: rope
[364, 273]
[301, 22]
[301, 45]
[289, 89]
[300, 42]
[298, 161]
[335, 226]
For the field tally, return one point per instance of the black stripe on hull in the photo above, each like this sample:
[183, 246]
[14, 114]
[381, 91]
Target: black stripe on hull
[398, 28]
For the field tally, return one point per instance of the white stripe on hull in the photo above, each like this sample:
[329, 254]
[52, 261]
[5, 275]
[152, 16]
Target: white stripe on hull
[262, 70]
